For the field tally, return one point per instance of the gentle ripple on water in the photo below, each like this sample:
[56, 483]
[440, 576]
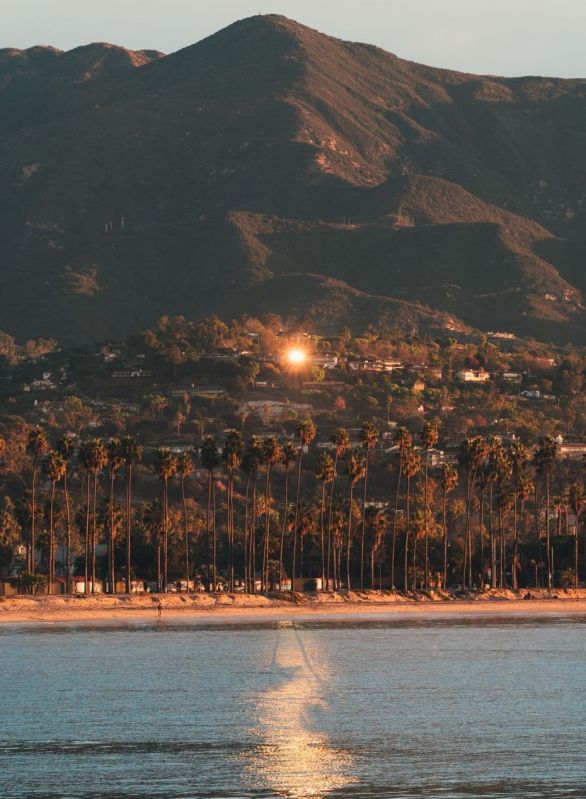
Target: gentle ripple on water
[450, 708]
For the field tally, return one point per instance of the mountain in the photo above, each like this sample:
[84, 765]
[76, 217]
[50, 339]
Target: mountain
[271, 168]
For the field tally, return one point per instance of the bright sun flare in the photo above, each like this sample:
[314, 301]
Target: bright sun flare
[296, 356]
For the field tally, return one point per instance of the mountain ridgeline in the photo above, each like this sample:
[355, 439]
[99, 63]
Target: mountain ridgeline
[271, 168]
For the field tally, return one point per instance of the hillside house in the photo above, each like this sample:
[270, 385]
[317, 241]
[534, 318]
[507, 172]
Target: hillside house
[472, 376]
[131, 374]
[45, 382]
[325, 361]
[572, 450]
[208, 392]
[511, 377]
[373, 365]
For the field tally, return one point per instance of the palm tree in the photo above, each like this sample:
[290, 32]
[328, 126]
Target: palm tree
[502, 470]
[525, 489]
[36, 446]
[484, 481]
[449, 481]
[54, 467]
[185, 468]
[520, 485]
[577, 500]
[355, 471]
[165, 469]
[232, 456]
[115, 461]
[378, 526]
[288, 458]
[368, 437]
[404, 442]
[411, 467]
[429, 437]
[152, 521]
[84, 457]
[472, 454]
[489, 473]
[341, 442]
[544, 458]
[97, 459]
[250, 465]
[210, 460]
[325, 473]
[271, 455]
[132, 454]
[65, 449]
[306, 433]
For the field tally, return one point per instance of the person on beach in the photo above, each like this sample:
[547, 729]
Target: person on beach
[160, 608]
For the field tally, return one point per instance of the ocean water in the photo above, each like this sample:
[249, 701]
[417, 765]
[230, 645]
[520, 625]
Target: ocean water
[357, 708]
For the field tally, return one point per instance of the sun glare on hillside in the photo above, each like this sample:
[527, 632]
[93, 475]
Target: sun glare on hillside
[296, 356]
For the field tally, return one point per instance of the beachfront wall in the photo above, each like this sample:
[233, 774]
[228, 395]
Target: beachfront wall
[7, 586]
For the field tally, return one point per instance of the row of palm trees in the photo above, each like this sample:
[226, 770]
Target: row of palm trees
[414, 539]
[93, 456]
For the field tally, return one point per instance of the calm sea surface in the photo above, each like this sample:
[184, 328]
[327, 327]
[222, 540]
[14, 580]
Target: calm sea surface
[354, 708]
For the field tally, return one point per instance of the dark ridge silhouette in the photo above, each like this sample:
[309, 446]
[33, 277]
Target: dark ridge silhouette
[271, 166]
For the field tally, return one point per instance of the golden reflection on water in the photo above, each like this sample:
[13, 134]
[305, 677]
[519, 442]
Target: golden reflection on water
[293, 758]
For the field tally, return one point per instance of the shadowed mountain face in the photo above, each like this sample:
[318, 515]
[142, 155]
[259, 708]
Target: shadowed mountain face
[272, 168]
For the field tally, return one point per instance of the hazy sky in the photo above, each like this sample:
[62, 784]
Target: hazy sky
[507, 37]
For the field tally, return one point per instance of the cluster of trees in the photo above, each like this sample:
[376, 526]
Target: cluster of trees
[12, 353]
[269, 509]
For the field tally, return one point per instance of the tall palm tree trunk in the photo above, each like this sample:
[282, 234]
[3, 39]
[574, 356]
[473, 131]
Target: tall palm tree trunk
[253, 539]
[212, 583]
[111, 543]
[51, 539]
[296, 522]
[547, 527]
[330, 510]
[265, 554]
[68, 535]
[128, 528]
[185, 532]
[246, 537]
[445, 536]
[481, 537]
[230, 528]
[284, 526]
[349, 538]
[322, 534]
[87, 536]
[214, 538]
[159, 571]
[394, 533]
[467, 533]
[414, 563]
[501, 541]
[165, 535]
[425, 530]
[363, 524]
[576, 580]
[515, 546]
[493, 579]
[33, 541]
[94, 531]
[407, 526]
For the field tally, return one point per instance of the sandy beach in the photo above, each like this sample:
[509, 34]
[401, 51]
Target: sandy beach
[56, 609]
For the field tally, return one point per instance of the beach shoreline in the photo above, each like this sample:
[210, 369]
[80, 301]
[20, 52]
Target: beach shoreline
[226, 607]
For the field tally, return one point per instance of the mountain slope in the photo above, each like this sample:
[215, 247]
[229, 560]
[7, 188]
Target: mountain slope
[272, 162]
